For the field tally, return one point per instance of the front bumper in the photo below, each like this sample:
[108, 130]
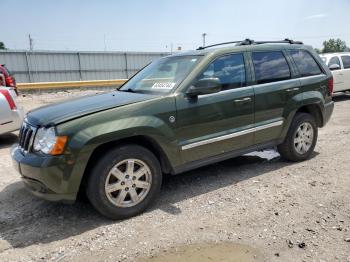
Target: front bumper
[327, 112]
[44, 176]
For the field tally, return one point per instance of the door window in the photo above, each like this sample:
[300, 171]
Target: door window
[229, 69]
[270, 67]
[346, 61]
[305, 63]
[334, 61]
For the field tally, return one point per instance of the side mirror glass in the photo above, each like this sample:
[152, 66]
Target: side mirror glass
[205, 86]
[334, 67]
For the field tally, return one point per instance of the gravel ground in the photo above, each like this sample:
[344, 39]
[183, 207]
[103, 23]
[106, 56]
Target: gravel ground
[284, 211]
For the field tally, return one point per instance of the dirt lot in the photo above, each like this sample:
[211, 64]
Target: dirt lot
[276, 210]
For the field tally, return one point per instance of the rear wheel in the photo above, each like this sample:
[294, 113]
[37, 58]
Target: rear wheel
[301, 138]
[124, 182]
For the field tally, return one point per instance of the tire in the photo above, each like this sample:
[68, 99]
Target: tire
[295, 151]
[108, 183]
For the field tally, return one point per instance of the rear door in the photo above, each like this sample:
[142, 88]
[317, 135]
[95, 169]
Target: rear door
[346, 71]
[311, 75]
[274, 87]
[217, 123]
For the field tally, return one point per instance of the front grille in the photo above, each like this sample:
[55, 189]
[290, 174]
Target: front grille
[26, 137]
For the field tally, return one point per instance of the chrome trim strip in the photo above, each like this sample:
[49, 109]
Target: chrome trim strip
[224, 137]
[237, 89]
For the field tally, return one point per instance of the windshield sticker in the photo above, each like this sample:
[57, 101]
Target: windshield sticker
[168, 85]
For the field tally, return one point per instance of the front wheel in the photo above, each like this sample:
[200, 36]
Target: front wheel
[124, 182]
[301, 138]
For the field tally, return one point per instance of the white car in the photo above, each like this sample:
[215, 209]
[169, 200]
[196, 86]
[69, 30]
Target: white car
[339, 64]
[11, 114]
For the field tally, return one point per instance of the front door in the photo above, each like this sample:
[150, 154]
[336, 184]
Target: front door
[214, 124]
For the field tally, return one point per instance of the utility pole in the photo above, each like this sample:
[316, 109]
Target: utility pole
[171, 47]
[204, 35]
[31, 43]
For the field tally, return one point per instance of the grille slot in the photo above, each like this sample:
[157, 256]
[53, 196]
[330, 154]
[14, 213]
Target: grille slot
[26, 137]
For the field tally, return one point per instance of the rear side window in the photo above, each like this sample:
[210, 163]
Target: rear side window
[305, 63]
[229, 69]
[334, 61]
[346, 61]
[270, 67]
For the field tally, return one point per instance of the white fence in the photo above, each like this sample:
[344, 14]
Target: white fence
[51, 66]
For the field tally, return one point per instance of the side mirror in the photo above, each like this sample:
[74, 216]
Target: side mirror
[204, 86]
[334, 67]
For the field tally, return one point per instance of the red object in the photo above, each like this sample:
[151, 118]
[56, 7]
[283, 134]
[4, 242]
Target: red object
[331, 85]
[2, 80]
[9, 99]
[9, 79]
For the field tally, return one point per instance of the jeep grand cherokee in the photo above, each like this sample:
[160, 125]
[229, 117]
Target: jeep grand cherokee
[180, 112]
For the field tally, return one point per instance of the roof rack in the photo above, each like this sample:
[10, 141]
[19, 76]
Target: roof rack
[252, 42]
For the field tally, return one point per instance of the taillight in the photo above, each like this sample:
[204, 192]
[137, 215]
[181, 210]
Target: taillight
[330, 85]
[9, 99]
[9, 81]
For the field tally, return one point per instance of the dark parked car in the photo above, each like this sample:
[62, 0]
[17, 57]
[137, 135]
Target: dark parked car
[178, 113]
[9, 79]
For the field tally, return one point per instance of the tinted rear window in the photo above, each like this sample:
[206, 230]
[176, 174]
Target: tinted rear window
[270, 67]
[305, 63]
[346, 61]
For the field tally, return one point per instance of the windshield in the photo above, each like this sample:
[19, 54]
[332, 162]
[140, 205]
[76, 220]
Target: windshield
[162, 75]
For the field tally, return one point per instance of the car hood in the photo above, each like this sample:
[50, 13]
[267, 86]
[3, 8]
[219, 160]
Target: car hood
[61, 112]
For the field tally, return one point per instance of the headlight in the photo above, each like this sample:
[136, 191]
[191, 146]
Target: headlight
[47, 142]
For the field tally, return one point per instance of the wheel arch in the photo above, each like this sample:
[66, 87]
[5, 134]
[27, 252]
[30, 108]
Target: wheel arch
[140, 140]
[314, 110]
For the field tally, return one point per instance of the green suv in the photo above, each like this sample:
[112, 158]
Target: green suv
[178, 113]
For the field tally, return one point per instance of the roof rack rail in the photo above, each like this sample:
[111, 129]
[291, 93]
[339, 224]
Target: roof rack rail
[247, 41]
[252, 42]
[285, 41]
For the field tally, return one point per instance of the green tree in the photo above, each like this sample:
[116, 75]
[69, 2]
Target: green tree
[318, 51]
[334, 45]
[2, 45]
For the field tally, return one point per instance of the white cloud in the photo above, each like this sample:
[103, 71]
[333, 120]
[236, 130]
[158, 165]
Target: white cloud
[315, 16]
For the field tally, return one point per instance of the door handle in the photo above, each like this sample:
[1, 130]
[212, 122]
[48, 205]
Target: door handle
[243, 100]
[292, 89]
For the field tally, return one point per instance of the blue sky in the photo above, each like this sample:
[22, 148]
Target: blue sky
[152, 25]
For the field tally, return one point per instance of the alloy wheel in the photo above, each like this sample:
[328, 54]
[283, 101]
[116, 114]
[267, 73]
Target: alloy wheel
[303, 138]
[128, 183]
